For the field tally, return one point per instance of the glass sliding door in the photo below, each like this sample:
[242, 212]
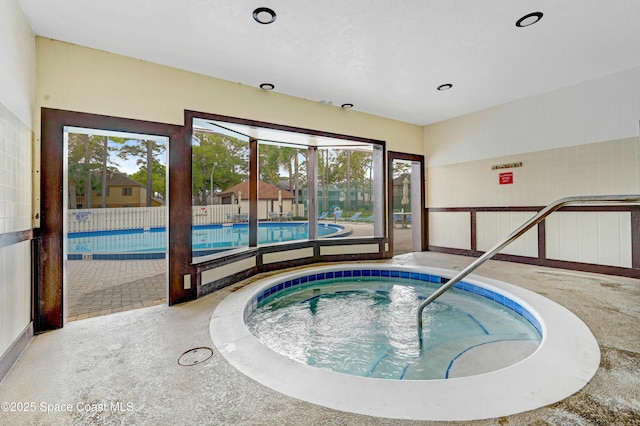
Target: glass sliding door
[115, 200]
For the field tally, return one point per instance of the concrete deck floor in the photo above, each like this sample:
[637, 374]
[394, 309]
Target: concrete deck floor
[122, 368]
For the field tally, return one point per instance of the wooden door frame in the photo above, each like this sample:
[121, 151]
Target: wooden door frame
[391, 156]
[49, 298]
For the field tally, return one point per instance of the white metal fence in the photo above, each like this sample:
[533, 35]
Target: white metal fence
[86, 220]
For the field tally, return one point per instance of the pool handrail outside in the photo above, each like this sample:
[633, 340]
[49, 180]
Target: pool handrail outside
[539, 217]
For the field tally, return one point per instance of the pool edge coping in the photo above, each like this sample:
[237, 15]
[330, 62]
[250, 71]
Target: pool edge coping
[565, 361]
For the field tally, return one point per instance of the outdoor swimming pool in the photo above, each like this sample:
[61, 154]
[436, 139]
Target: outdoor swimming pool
[206, 239]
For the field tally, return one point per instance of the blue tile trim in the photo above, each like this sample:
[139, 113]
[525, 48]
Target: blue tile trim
[404, 371]
[373, 368]
[127, 256]
[446, 376]
[113, 232]
[415, 276]
[484, 330]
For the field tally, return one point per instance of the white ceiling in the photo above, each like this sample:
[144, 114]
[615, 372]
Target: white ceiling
[385, 57]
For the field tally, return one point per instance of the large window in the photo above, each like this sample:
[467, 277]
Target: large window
[307, 186]
[345, 190]
[220, 189]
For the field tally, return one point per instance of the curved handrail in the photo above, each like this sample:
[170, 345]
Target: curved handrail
[604, 199]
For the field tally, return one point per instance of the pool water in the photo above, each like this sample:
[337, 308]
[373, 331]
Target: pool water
[367, 326]
[203, 237]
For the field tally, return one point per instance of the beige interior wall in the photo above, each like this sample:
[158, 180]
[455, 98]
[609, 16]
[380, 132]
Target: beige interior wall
[602, 168]
[579, 140]
[76, 78]
[603, 109]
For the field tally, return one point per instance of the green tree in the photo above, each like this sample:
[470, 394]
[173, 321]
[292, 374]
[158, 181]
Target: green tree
[270, 160]
[84, 161]
[159, 181]
[146, 153]
[350, 169]
[277, 158]
[218, 162]
[108, 165]
[327, 174]
[298, 168]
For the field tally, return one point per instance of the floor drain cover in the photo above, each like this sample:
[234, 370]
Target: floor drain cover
[195, 356]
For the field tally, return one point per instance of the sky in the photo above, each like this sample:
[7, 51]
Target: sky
[129, 166]
[126, 166]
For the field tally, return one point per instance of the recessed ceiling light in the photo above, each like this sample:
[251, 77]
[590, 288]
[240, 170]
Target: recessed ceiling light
[264, 15]
[346, 106]
[529, 19]
[267, 86]
[446, 86]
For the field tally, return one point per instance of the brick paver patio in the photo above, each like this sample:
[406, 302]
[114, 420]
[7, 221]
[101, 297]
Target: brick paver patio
[101, 287]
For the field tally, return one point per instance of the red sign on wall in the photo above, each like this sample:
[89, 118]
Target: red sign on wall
[506, 178]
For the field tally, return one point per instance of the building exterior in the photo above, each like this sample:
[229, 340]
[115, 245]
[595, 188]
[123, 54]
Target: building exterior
[270, 199]
[122, 191]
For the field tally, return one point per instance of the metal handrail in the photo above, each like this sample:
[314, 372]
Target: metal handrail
[605, 199]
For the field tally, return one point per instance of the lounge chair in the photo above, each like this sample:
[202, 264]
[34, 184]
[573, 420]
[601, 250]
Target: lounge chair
[397, 218]
[354, 217]
[337, 215]
[273, 216]
[323, 215]
[368, 219]
[288, 216]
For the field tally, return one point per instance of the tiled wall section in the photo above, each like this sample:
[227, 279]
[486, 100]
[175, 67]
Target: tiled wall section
[603, 168]
[15, 292]
[15, 215]
[15, 173]
[609, 167]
